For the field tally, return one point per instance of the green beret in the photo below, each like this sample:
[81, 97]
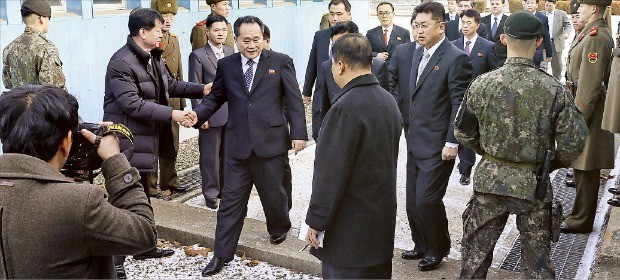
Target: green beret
[574, 6]
[523, 25]
[602, 3]
[39, 7]
[211, 2]
[165, 6]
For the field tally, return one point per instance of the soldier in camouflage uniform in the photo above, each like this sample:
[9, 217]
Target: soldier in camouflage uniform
[513, 115]
[31, 58]
[171, 53]
[198, 37]
[588, 69]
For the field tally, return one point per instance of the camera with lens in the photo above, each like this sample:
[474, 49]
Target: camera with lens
[83, 155]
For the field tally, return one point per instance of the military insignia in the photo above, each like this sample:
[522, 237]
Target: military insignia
[398, 38]
[272, 72]
[480, 55]
[593, 31]
[436, 68]
[201, 23]
[592, 57]
[168, 5]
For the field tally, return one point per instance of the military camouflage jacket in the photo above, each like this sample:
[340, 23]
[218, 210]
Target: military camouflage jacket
[31, 59]
[520, 111]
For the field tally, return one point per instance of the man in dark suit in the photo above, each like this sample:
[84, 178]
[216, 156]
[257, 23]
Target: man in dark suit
[495, 27]
[440, 73]
[452, 13]
[356, 208]
[482, 58]
[256, 84]
[453, 28]
[339, 10]
[326, 86]
[400, 74]
[387, 36]
[544, 52]
[212, 134]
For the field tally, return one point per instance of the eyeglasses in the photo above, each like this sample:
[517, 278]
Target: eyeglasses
[424, 26]
[384, 13]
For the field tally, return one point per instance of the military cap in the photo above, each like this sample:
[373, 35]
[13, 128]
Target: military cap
[211, 2]
[602, 3]
[523, 25]
[39, 7]
[165, 6]
[574, 6]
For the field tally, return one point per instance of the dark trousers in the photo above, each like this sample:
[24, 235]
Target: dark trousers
[382, 271]
[266, 174]
[427, 180]
[582, 216]
[212, 147]
[287, 182]
[316, 124]
[467, 159]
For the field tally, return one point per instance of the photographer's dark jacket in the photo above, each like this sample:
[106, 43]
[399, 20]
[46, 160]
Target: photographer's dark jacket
[52, 227]
[137, 87]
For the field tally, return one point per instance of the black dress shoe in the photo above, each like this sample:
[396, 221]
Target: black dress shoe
[154, 253]
[120, 271]
[213, 267]
[211, 203]
[565, 228]
[412, 255]
[429, 263]
[615, 191]
[614, 201]
[277, 239]
[464, 179]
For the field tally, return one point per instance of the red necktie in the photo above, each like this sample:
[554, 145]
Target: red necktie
[385, 37]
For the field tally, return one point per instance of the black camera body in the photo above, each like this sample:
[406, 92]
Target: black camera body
[83, 155]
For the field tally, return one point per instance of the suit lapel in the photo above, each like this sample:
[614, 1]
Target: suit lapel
[211, 55]
[459, 43]
[415, 63]
[475, 49]
[239, 72]
[261, 68]
[379, 36]
[431, 63]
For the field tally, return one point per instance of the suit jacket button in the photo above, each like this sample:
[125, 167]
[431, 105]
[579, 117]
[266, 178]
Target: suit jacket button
[128, 178]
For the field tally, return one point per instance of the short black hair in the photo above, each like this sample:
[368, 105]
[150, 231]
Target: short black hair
[248, 20]
[34, 120]
[347, 5]
[353, 49]
[213, 18]
[266, 32]
[436, 10]
[344, 27]
[385, 3]
[472, 14]
[552, 1]
[413, 16]
[143, 18]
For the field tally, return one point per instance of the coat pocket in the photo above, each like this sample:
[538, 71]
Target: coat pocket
[276, 121]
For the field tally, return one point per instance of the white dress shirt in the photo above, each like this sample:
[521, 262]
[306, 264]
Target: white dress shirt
[244, 67]
[219, 52]
[389, 32]
[550, 21]
[472, 40]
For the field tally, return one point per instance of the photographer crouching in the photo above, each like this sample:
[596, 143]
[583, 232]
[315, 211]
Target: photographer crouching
[52, 227]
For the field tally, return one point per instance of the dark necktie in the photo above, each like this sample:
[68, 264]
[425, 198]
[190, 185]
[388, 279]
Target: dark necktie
[467, 50]
[494, 27]
[249, 74]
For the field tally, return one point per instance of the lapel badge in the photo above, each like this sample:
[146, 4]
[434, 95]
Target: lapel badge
[592, 57]
[436, 68]
[480, 55]
[398, 38]
[272, 72]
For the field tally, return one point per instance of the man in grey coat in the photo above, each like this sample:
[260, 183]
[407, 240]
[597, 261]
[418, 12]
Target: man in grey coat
[354, 184]
[53, 227]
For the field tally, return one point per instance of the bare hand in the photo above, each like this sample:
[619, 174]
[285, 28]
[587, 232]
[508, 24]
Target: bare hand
[108, 146]
[298, 145]
[312, 238]
[307, 99]
[189, 119]
[549, 59]
[207, 89]
[383, 56]
[448, 153]
[205, 125]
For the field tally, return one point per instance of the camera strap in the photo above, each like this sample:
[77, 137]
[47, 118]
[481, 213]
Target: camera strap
[115, 128]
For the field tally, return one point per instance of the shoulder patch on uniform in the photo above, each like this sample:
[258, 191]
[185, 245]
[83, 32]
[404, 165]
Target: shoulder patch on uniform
[201, 23]
[592, 57]
[593, 31]
[173, 35]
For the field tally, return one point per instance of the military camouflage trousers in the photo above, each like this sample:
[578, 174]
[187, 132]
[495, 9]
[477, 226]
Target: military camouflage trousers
[483, 222]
